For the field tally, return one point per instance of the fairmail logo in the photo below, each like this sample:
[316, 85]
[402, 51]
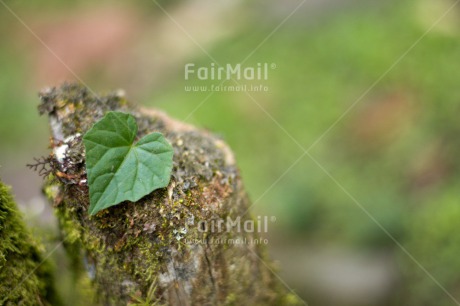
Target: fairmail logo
[228, 72]
[238, 225]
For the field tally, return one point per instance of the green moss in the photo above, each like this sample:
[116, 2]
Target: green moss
[25, 278]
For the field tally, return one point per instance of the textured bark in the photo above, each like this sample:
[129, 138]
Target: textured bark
[25, 277]
[153, 252]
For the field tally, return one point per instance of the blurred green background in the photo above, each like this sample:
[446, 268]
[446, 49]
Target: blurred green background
[384, 232]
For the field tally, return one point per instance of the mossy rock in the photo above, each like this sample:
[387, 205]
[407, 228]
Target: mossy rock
[140, 253]
[25, 276]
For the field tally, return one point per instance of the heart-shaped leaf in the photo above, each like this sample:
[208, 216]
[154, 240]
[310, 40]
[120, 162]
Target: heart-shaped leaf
[119, 169]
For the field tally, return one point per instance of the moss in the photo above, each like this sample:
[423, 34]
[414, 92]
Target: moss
[25, 277]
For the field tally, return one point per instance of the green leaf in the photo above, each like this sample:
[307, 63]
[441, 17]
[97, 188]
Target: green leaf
[118, 169]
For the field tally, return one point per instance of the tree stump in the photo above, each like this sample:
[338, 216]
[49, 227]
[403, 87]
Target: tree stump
[165, 248]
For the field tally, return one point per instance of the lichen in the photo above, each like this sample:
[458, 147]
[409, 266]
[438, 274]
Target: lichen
[25, 277]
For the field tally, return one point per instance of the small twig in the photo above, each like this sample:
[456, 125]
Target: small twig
[43, 165]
